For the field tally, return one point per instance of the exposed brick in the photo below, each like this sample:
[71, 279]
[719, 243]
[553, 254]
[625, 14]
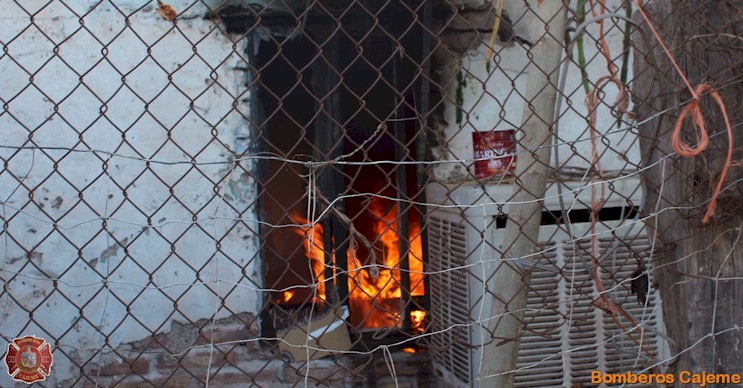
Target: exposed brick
[112, 370]
[324, 372]
[231, 378]
[266, 373]
[223, 379]
[166, 362]
[89, 384]
[140, 366]
[201, 358]
[218, 335]
[232, 365]
[153, 342]
[180, 380]
[139, 382]
[94, 382]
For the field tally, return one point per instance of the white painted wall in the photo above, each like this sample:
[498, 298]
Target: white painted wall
[127, 89]
[493, 100]
[54, 201]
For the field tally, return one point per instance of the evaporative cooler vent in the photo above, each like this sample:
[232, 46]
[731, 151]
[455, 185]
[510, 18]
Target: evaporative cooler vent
[565, 335]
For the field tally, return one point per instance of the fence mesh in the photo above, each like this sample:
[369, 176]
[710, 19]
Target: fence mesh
[327, 192]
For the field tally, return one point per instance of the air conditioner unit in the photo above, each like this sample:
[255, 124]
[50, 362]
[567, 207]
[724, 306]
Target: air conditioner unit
[565, 336]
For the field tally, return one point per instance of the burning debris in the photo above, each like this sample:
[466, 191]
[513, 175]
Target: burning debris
[375, 293]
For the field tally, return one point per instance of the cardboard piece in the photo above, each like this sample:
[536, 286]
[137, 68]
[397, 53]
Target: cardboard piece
[328, 332]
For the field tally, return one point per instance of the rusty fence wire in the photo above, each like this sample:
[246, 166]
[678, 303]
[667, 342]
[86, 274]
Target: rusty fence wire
[296, 192]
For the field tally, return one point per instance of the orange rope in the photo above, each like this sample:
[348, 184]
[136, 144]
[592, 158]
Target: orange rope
[668, 52]
[685, 150]
[621, 104]
[697, 119]
[602, 36]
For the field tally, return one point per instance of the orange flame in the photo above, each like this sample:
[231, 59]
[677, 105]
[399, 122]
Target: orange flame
[288, 295]
[374, 287]
[416, 321]
[314, 250]
[415, 260]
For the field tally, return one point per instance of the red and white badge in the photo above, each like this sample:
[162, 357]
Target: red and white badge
[29, 359]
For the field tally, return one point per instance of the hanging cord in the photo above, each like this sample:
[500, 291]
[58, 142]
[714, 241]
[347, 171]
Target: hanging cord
[390, 362]
[496, 27]
[697, 118]
[593, 99]
[688, 151]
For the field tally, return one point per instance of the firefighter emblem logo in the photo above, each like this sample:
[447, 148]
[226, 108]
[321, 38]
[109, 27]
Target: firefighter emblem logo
[29, 359]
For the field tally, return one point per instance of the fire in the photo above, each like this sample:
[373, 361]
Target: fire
[288, 295]
[374, 287]
[416, 318]
[415, 259]
[314, 250]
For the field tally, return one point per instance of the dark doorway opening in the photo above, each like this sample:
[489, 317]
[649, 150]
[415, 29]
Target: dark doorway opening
[353, 104]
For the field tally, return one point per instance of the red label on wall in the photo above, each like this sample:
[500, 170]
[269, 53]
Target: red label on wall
[29, 359]
[494, 153]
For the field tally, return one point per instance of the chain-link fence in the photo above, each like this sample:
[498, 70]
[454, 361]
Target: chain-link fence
[368, 193]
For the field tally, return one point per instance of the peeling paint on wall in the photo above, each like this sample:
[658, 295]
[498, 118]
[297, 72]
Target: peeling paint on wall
[127, 223]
